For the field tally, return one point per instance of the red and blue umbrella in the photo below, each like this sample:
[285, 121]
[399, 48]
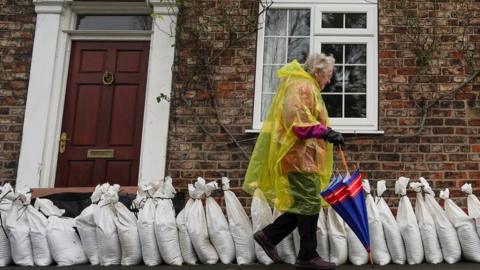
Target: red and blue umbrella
[345, 195]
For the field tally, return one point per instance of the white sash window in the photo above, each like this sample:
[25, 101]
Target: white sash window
[347, 30]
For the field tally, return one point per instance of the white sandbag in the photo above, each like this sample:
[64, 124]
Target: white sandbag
[473, 205]
[378, 243]
[87, 229]
[465, 226]
[19, 232]
[197, 228]
[146, 227]
[323, 248]
[107, 236]
[64, 242]
[165, 224]
[186, 247]
[240, 226]
[286, 247]
[431, 245]
[126, 224]
[407, 223]
[38, 235]
[337, 237]
[393, 237]
[261, 217]
[217, 226]
[6, 197]
[357, 254]
[447, 235]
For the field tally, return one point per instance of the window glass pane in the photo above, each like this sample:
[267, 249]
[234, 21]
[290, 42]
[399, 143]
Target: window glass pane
[275, 51]
[270, 79]
[356, 79]
[356, 53]
[114, 22]
[298, 48]
[276, 22]
[335, 84]
[266, 101]
[355, 20]
[299, 22]
[332, 20]
[336, 50]
[356, 106]
[333, 104]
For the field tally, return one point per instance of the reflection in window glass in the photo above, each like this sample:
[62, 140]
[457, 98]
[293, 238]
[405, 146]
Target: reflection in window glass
[355, 20]
[356, 53]
[275, 51]
[287, 37]
[270, 80]
[276, 22]
[333, 104]
[356, 79]
[344, 20]
[350, 76]
[266, 100]
[299, 22]
[332, 20]
[114, 22]
[336, 83]
[298, 49]
[335, 50]
[356, 106]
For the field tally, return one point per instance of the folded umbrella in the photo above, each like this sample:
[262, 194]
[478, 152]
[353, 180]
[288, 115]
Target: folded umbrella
[346, 197]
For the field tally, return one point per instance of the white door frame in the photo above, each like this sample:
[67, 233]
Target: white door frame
[54, 32]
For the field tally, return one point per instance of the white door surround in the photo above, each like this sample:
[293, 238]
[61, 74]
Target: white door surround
[55, 29]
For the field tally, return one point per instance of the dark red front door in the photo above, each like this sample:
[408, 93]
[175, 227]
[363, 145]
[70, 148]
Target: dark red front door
[103, 114]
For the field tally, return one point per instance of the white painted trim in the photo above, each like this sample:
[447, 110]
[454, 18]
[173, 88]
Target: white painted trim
[48, 79]
[110, 8]
[47, 52]
[153, 154]
[108, 35]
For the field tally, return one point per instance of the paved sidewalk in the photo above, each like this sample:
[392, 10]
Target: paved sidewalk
[458, 266]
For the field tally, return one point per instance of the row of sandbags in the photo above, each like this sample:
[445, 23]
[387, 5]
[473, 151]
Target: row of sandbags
[426, 233]
[36, 235]
[111, 234]
[198, 234]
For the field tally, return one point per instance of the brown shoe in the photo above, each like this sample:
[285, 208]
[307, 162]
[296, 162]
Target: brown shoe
[314, 264]
[262, 239]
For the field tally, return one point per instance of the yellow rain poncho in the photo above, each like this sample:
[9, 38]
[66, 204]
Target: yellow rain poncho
[291, 172]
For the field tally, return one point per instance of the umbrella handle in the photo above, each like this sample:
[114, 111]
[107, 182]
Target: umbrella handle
[344, 161]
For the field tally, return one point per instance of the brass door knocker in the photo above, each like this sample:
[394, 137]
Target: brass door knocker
[108, 78]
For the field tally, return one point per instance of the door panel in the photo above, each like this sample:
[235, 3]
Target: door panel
[123, 115]
[86, 115]
[99, 116]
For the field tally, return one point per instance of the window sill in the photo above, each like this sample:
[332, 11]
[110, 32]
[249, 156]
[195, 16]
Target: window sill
[372, 132]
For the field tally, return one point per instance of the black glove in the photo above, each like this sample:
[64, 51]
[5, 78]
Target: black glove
[335, 137]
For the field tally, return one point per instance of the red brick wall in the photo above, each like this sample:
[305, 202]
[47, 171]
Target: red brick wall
[17, 25]
[448, 150]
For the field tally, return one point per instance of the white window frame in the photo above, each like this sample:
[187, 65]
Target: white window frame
[368, 36]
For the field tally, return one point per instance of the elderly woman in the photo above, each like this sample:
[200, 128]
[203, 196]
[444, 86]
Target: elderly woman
[292, 160]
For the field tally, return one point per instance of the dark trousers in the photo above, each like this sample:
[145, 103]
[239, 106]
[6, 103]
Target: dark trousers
[307, 228]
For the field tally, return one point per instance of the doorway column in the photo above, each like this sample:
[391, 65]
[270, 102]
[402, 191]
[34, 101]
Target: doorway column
[42, 82]
[153, 155]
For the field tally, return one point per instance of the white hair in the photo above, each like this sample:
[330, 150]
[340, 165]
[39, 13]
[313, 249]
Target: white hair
[319, 61]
